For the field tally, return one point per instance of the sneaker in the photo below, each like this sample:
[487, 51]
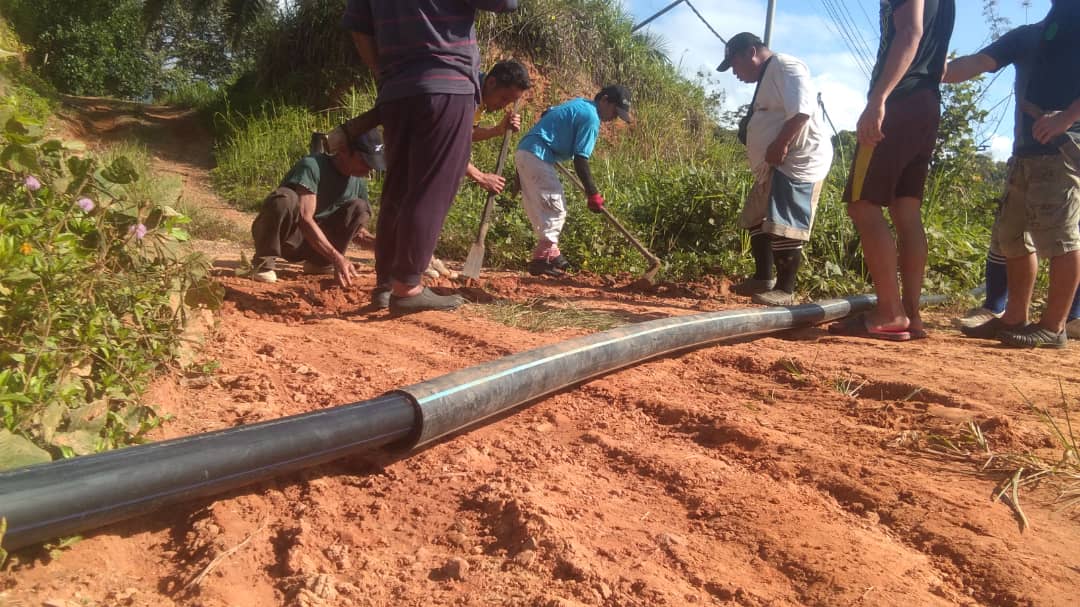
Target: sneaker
[546, 267]
[562, 263]
[975, 317]
[752, 286]
[380, 298]
[269, 276]
[1072, 328]
[311, 267]
[990, 329]
[774, 297]
[1033, 336]
[426, 300]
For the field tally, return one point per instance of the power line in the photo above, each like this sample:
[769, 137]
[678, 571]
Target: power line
[841, 32]
[846, 12]
[705, 22]
[850, 34]
[656, 15]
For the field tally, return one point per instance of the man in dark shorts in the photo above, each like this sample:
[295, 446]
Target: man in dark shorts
[896, 133]
[426, 63]
[317, 210]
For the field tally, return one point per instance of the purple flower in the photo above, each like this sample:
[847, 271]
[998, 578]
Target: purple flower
[85, 204]
[32, 183]
[138, 230]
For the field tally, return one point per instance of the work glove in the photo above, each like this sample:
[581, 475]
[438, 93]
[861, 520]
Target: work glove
[596, 203]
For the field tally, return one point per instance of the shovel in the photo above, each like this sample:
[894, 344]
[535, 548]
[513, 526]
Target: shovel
[475, 261]
[654, 261]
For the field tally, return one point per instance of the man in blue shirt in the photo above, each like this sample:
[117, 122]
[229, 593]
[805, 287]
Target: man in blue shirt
[564, 131]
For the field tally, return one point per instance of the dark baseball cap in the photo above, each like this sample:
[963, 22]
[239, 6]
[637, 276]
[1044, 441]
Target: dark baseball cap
[370, 146]
[620, 96]
[737, 44]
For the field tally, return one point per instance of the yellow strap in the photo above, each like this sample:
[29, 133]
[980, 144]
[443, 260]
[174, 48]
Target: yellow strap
[863, 154]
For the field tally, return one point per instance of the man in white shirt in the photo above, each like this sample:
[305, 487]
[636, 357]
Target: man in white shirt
[790, 156]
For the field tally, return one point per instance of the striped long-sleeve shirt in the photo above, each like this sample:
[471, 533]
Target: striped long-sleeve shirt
[424, 46]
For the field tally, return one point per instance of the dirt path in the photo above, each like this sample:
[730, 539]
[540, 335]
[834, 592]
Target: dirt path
[775, 471]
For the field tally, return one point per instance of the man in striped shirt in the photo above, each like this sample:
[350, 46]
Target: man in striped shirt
[426, 64]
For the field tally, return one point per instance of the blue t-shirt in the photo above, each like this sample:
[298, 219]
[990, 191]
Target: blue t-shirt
[1017, 48]
[564, 131]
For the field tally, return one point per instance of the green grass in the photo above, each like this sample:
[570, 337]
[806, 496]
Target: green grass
[1014, 472]
[256, 150]
[542, 316]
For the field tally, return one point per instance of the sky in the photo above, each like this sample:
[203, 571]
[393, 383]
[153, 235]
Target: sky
[803, 28]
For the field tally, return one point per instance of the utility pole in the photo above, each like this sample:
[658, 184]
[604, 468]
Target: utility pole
[770, 14]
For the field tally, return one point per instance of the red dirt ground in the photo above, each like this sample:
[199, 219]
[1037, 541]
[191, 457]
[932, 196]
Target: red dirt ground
[738, 474]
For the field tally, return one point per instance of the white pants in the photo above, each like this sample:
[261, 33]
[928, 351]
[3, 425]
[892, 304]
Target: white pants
[543, 198]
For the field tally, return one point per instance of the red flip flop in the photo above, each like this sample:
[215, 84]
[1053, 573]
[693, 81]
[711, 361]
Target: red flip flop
[855, 326]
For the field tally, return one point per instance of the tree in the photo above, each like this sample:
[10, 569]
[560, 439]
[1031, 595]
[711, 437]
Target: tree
[240, 14]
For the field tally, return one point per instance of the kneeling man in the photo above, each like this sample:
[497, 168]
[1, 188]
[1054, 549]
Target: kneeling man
[317, 210]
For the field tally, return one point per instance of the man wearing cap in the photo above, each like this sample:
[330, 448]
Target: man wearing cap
[321, 204]
[897, 132]
[427, 65]
[790, 156]
[564, 131]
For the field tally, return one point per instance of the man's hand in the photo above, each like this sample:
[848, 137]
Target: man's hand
[343, 271]
[776, 153]
[491, 182]
[1051, 126]
[511, 121]
[869, 126]
[364, 239]
[596, 203]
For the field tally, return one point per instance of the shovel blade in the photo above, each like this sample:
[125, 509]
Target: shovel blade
[475, 261]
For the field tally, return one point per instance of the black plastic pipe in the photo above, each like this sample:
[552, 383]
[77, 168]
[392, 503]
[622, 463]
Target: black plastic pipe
[70, 496]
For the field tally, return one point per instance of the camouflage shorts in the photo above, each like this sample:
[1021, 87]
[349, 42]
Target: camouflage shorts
[1041, 211]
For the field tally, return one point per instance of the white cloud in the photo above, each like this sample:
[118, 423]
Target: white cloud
[1001, 147]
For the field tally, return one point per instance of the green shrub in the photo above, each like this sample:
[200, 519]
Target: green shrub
[93, 292]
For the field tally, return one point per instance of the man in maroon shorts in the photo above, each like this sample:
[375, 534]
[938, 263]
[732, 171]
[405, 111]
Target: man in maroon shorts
[896, 132]
[427, 67]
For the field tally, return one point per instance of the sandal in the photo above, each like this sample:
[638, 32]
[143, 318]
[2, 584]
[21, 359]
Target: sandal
[855, 326]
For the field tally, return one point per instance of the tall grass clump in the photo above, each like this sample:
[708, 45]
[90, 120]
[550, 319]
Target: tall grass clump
[255, 150]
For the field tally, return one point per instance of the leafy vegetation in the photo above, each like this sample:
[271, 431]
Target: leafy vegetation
[94, 291]
[138, 49]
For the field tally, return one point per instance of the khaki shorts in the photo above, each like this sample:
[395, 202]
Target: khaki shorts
[1041, 211]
